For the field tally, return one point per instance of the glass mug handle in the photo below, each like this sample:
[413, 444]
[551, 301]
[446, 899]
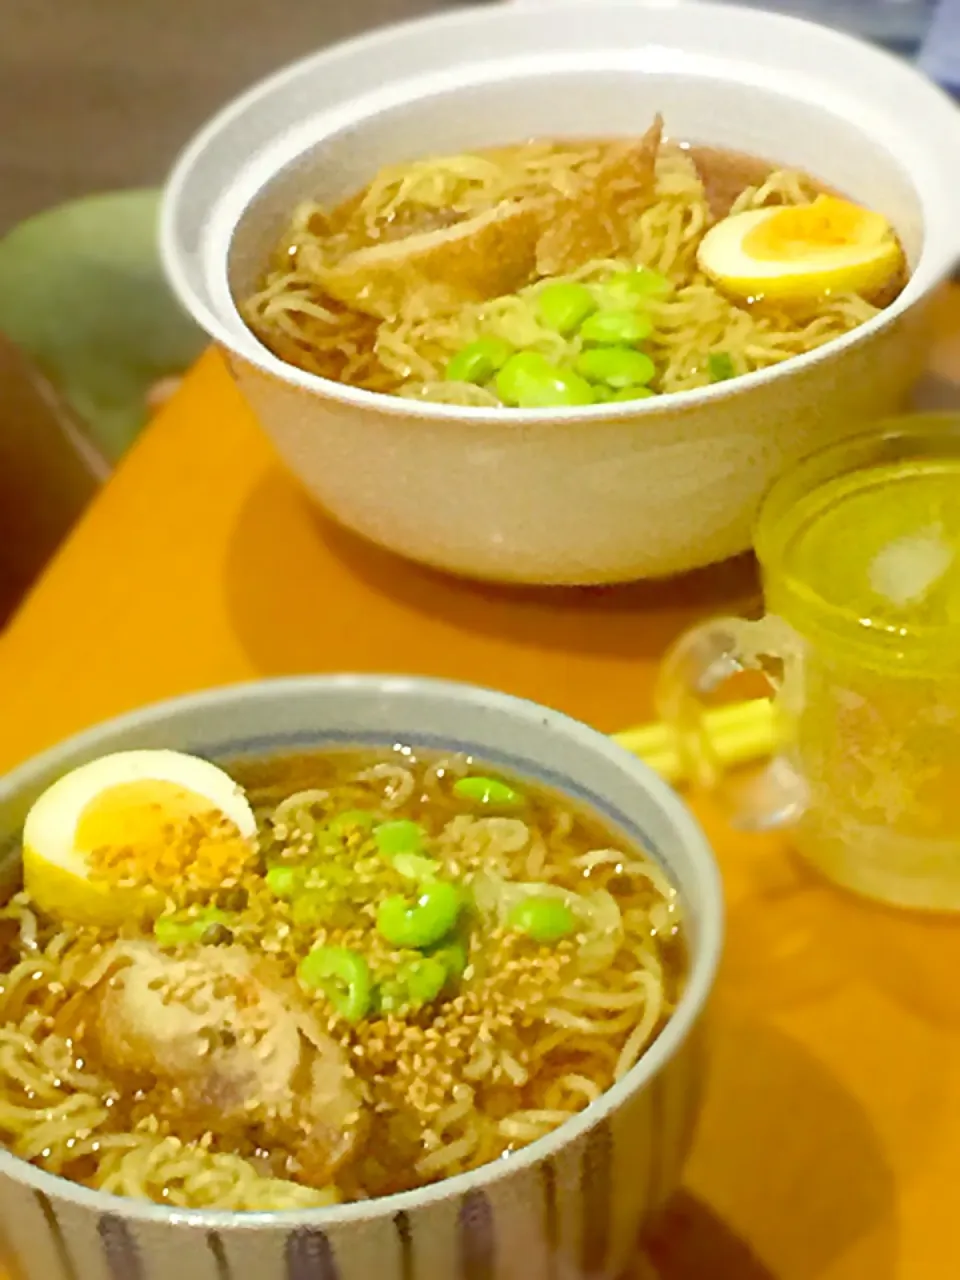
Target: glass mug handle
[698, 665]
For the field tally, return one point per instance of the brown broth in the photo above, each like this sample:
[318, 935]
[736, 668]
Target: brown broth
[348, 346]
[412, 1066]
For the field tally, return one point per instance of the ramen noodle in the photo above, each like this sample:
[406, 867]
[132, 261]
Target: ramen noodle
[565, 273]
[409, 967]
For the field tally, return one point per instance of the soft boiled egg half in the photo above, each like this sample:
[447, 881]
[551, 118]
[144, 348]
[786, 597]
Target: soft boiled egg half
[800, 252]
[135, 811]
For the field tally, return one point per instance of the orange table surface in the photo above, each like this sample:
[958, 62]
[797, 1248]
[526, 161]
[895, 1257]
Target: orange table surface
[830, 1142]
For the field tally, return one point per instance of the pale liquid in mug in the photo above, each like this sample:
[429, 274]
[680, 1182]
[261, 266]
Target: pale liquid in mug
[877, 733]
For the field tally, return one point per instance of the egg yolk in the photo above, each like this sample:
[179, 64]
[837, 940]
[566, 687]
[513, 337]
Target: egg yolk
[828, 223]
[153, 832]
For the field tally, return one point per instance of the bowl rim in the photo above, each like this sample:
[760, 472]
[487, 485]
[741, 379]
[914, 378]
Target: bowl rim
[250, 350]
[671, 1039]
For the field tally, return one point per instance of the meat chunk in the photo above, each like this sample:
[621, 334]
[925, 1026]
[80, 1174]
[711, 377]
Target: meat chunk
[483, 257]
[229, 1041]
[726, 175]
[597, 220]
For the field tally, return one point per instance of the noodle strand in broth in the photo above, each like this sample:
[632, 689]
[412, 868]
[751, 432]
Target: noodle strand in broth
[697, 328]
[562, 960]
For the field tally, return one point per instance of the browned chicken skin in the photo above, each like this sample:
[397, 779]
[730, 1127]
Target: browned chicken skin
[226, 1039]
[597, 220]
[482, 257]
[502, 249]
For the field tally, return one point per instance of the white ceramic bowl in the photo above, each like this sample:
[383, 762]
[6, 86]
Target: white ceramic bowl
[575, 496]
[570, 1205]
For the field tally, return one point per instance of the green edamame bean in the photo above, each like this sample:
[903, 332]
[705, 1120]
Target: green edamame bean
[424, 979]
[720, 366]
[343, 976]
[543, 919]
[564, 306]
[454, 958]
[399, 836]
[177, 930]
[618, 367]
[414, 925]
[628, 288]
[171, 932]
[616, 328]
[401, 841]
[487, 791]
[529, 381]
[414, 985]
[284, 881]
[478, 361]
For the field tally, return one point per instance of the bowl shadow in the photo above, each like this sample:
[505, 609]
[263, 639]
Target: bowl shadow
[691, 1242]
[283, 548]
[787, 1174]
[582, 618]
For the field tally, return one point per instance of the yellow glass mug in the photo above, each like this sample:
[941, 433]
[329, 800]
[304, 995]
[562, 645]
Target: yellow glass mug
[860, 551]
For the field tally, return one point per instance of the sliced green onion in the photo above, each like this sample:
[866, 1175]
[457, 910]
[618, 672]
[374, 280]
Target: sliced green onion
[720, 366]
[285, 881]
[487, 791]
[176, 930]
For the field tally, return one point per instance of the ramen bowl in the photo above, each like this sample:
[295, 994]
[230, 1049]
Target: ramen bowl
[601, 494]
[569, 1204]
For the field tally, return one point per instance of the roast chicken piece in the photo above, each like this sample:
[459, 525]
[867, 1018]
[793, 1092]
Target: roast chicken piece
[597, 220]
[482, 257]
[499, 251]
[224, 1039]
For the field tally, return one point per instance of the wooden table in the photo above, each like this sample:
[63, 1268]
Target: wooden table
[830, 1144]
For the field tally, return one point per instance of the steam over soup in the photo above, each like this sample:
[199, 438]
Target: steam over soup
[566, 273]
[354, 973]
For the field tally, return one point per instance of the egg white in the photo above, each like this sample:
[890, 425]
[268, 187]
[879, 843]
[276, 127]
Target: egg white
[50, 829]
[848, 269]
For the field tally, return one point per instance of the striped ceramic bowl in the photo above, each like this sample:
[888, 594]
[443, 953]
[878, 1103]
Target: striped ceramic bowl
[569, 1206]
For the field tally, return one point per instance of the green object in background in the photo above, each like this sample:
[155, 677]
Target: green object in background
[82, 292]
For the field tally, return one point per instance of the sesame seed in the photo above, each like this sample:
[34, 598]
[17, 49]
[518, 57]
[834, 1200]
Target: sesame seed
[416, 1072]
